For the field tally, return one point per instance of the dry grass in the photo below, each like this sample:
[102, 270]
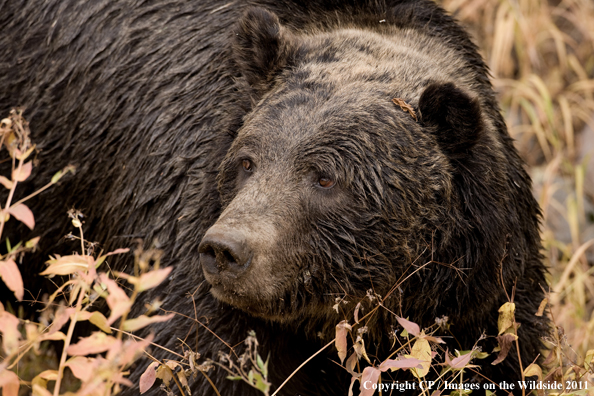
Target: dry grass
[541, 55]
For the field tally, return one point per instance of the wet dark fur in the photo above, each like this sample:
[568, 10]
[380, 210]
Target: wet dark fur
[146, 99]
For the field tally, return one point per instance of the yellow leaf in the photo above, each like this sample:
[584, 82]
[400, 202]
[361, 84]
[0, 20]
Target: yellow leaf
[96, 318]
[506, 317]
[421, 350]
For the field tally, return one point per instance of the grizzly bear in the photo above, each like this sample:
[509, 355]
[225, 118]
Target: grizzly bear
[286, 155]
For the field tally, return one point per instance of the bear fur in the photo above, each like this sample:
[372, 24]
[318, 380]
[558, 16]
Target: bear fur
[259, 144]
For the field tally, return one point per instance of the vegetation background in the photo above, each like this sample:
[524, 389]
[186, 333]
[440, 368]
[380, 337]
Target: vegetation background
[541, 56]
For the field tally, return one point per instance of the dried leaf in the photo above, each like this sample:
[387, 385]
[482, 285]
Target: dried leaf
[410, 327]
[42, 378]
[356, 313]
[359, 348]
[40, 391]
[23, 173]
[96, 343]
[23, 214]
[542, 306]
[405, 107]
[505, 343]
[57, 336]
[589, 360]
[341, 339]
[533, 369]
[82, 367]
[369, 378]
[10, 332]
[147, 379]
[9, 382]
[10, 274]
[436, 340]
[351, 363]
[26, 154]
[165, 374]
[506, 317]
[405, 363]
[66, 265]
[5, 182]
[143, 320]
[150, 279]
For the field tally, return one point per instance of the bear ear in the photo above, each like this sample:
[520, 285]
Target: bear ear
[262, 47]
[453, 116]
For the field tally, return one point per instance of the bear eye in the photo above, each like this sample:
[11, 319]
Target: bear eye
[247, 165]
[325, 182]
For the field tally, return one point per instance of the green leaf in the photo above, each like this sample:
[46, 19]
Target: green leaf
[237, 378]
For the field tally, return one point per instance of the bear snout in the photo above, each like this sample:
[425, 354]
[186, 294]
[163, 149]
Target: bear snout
[224, 251]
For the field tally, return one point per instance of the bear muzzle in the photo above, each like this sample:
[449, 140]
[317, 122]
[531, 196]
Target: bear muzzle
[224, 253]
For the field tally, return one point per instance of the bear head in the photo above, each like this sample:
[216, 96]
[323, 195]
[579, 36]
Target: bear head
[331, 188]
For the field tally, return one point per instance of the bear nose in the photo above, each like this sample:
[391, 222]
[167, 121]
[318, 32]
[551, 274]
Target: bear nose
[223, 251]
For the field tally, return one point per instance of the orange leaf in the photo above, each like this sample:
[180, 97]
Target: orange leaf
[82, 367]
[405, 363]
[66, 265]
[130, 350]
[368, 379]
[9, 382]
[98, 342]
[117, 300]
[143, 320]
[341, 339]
[22, 213]
[460, 362]
[147, 379]
[410, 327]
[24, 172]
[150, 279]
[10, 274]
[60, 319]
[10, 332]
[5, 182]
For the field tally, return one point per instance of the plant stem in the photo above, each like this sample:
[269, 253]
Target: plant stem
[67, 341]
[9, 199]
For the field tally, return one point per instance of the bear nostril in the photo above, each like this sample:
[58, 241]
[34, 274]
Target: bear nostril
[208, 258]
[223, 251]
[227, 257]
